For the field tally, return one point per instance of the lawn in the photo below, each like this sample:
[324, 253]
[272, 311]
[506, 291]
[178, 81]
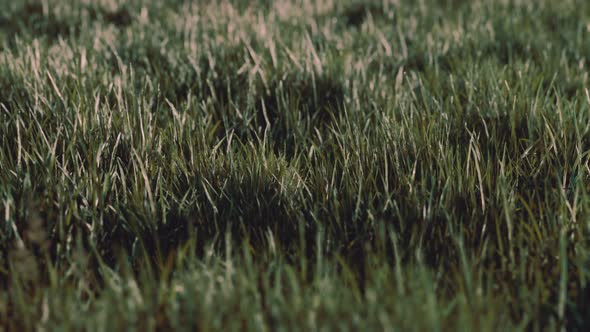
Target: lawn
[294, 165]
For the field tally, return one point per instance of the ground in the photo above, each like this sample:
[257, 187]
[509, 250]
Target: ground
[294, 165]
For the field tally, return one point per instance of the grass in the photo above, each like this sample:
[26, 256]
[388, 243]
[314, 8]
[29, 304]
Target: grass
[294, 165]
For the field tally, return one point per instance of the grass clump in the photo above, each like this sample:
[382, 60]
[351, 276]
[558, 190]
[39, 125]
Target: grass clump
[288, 165]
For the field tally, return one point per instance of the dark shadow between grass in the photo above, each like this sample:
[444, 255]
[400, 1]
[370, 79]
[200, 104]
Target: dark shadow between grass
[356, 14]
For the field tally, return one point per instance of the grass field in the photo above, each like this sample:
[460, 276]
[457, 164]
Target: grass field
[294, 165]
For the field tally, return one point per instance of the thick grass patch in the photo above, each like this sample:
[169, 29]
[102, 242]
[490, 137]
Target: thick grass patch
[282, 165]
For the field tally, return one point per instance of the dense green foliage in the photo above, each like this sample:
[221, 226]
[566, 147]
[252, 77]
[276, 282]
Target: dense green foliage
[294, 164]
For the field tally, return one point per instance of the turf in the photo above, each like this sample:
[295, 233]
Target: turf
[294, 165]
